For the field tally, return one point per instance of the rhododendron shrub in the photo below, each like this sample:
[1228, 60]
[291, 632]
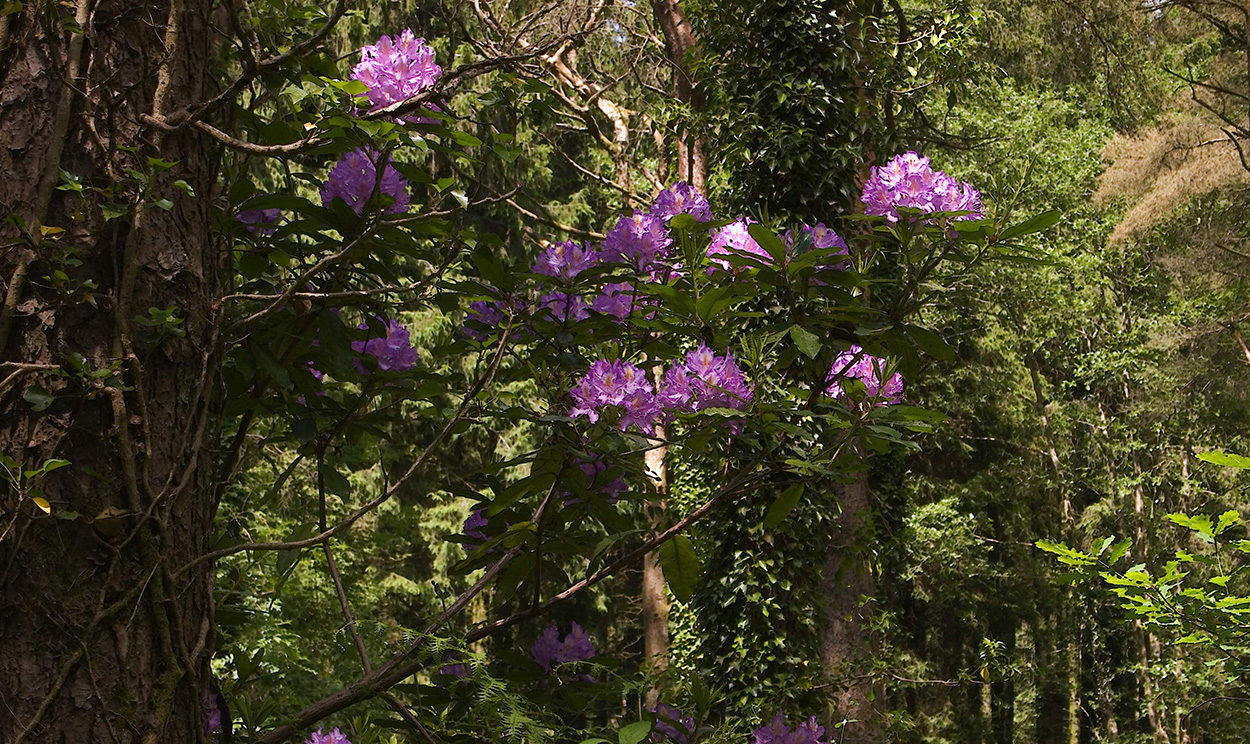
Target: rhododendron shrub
[682, 332]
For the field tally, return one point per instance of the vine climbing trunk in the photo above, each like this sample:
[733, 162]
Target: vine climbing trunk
[104, 218]
[848, 588]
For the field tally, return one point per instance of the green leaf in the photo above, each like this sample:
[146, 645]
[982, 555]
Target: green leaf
[930, 342]
[680, 565]
[769, 241]
[1034, 224]
[782, 507]
[634, 733]
[808, 342]
[336, 483]
[38, 398]
[1227, 459]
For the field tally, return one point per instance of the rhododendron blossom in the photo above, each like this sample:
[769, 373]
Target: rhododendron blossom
[549, 650]
[334, 737]
[354, 178]
[565, 307]
[393, 352]
[566, 260]
[260, 221]
[909, 182]
[610, 491]
[617, 385]
[474, 525]
[618, 300]
[777, 732]
[855, 364]
[705, 380]
[640, 239]
[396, 70]
[681, 198]
[736, 238]
[671, 725]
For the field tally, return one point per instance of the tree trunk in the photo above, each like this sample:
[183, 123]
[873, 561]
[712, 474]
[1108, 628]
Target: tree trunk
[848, 588]
[678, 40]
[654, 598]
[104, 639]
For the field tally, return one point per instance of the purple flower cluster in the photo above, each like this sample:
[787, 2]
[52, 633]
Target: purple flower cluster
[618, 300]
[491, 315]
[855, 364]
[735, 238]
[334, 737]
[705, 380]
[566, 260]
[671, 725]
[822, 237]
[681, 198]
[611, 491]
[549, 650]
[353, 180]
[640, 239]
[473, 529]
[777, 732]
[396, 70]
[393, 352]
[565, 307]
[908, 181]
[213, 714]
[617, 385]
[260, 221]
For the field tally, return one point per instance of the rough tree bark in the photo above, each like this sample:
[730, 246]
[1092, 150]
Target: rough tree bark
[847, 645]
[101, 643]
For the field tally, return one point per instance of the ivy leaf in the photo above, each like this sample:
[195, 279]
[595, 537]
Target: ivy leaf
[38, 398]
[680, 565]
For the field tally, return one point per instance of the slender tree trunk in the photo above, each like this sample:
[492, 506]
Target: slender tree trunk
[847, 645]
[654, 597]
[678, 41]
[104, 641]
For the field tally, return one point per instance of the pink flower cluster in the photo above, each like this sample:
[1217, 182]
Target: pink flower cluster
[735, 238]
[777, 732]
[396, 70]
[354, 178]
[549, 650]
[393, 352]
[909, 182]
[856, 364]
[705, 380]
[334, 737]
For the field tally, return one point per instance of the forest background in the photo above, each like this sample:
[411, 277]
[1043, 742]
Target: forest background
[1078, 385]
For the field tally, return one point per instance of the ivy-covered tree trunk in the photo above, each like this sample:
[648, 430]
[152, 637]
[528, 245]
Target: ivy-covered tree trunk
[848, 589]
[107, 631]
